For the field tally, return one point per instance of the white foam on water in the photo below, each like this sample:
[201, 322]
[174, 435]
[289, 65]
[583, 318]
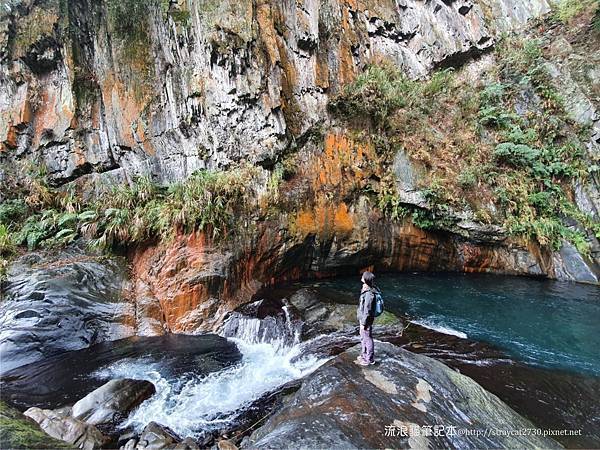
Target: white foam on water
[440, 328]
[193, 404]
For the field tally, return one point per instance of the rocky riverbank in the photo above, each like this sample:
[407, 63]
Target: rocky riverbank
[407, 388]
[221, 148]
[341, 405]
[344, 405]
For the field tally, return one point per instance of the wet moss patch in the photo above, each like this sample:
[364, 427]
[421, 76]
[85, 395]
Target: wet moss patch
[17, 431]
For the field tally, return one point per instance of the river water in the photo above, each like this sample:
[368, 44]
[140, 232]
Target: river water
[534, 343]
[541, 322]
[205, 383]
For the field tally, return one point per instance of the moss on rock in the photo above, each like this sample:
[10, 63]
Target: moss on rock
[388, 319]
[33, 27]
[17, 431]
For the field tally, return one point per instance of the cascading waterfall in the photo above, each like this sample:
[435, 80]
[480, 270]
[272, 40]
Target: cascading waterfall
[195, 406]
[280, 331]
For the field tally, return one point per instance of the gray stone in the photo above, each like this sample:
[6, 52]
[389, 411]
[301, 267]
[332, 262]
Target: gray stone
[187, 444]
[19, 431]
[130, 445]
[407, 178]
[569, 265]
[322, 315]
[68, 429]
[156, 437]
[115, 398]
[219, 86]
[59, 301]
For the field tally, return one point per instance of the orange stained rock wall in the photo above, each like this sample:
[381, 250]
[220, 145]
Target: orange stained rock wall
[325, 221]
[172, 273]
[197, 282]
[343, 165]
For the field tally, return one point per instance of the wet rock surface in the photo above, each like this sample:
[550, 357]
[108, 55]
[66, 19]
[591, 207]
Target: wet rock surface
[324, 312]
[290, 316]
[344, 405]
[115, 398]
[65, 379]
[195, 283]
[543, 396]
[534, 393]
[59, 301]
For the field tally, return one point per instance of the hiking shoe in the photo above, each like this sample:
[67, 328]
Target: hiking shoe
[362, 362]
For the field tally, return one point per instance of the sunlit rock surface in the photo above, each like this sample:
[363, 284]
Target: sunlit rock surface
[116, 398]
[60, 425]
[123, 88]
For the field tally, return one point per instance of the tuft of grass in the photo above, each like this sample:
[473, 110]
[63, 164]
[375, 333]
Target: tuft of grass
[567, 11]
[128, 214]
[375, 93]
[7, 243]
[381, 90]
[390, 204]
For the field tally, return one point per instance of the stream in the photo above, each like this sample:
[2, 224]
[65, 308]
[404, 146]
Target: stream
[204, 383]
[540, 322]
[533, 343]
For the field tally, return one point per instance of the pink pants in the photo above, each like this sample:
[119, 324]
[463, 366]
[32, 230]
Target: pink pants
[368, 346]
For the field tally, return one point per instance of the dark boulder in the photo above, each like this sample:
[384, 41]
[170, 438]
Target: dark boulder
[112, 401]
[290, 316]
[323, 312]
[344, 405]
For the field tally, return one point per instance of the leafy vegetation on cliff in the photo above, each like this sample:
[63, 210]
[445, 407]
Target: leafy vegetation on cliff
[569, 10]
[503, 148]
[38, 215]
[497, 145]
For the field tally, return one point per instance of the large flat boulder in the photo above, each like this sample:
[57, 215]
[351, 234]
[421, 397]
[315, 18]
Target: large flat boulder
[404, 401]
[112, 400]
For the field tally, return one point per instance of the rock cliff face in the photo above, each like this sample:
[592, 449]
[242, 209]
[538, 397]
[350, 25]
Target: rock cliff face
[102, 91]
[125, 87]
[191, 283]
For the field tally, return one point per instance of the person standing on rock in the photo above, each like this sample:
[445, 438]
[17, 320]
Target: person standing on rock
[366, 316]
